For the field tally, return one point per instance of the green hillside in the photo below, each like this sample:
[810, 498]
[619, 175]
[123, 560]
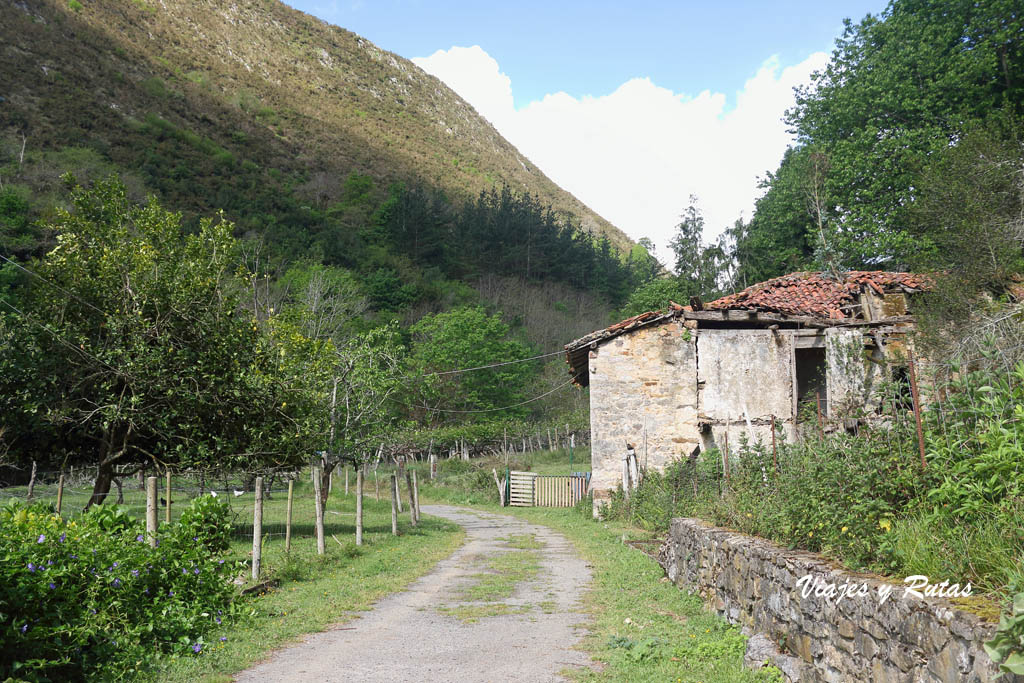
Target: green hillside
[376, 222]
[227, 96]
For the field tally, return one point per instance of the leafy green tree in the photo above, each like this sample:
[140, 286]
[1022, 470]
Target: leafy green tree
[781, 236]
[463, 338]
[132, 349]
[655, 296]
[900, 88]
[697, 266]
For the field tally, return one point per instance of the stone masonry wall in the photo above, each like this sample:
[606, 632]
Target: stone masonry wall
[753, 582]
[643, 390]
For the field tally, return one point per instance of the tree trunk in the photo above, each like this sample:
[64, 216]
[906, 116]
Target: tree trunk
[32, 483]
[120, 491]
[325, 482]
[101, 487]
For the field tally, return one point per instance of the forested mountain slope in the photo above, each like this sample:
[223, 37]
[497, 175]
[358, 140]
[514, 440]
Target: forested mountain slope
[244, 106]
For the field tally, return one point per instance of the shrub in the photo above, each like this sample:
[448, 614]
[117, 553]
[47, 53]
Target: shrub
[78, 594]
[865, 499]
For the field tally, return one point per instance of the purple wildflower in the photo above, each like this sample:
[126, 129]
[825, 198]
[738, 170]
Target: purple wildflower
[31, 567]
[73, 557]
[52, 585]
[170, 593]
[49, 563]
[41, 538]
[93, 610]
[217, 619]
[195, 538]
[197, 648]
[184, 571]
[117, 583]
[63, 537]
[114, 565]
[146, 591]
[139, 538]
[223, 639]
[196, 570]
[135, 572]
[220, 562]
[24, 628]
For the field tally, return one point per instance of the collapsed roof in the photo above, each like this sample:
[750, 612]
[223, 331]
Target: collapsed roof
[805, 299]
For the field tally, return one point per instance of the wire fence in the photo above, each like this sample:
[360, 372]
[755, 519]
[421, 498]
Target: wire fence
[73, 488]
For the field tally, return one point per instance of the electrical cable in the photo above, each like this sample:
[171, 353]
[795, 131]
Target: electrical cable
[488, 410]
[52, 284]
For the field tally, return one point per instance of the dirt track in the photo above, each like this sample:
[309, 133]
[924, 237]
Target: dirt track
[406, 638]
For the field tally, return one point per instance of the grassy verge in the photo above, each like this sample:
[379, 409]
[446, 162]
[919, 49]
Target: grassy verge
[640, 626]
[315, 592]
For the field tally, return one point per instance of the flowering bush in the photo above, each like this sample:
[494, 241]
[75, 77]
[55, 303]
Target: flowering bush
[86, 592]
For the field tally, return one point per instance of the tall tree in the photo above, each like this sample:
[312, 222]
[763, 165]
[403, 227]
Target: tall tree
[131, 349]
[899, 89]
[697, 266]
[464, 338]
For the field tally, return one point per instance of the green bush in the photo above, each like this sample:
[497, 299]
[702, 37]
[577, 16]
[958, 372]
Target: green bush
[89, 592]
[865, 499]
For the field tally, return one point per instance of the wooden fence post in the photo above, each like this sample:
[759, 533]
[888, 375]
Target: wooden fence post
[257, 530]
[394, 504]
[821, 422]
[725, 451]
[60, 492]
[416, 495]
[398, 493]
[917, 407]
[412, 499]
[346, 480]
[376, 485]
[288, 517]
[151, 510]
[318, 507]
[359, 506]
[775, 454]
[167, 513]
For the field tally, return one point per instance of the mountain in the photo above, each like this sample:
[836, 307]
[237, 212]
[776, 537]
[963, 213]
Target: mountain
[219, 104]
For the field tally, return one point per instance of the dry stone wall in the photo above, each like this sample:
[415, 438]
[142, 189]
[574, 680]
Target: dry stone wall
[754, 583]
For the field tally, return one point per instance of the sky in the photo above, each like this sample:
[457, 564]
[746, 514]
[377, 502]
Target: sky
[632, 107]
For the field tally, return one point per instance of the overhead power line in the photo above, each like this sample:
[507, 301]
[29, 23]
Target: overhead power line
[52, 284]
[490, 410]
[440, 373]
[492, 365]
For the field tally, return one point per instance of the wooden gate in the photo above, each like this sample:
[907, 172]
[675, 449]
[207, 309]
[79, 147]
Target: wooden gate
[521, 488]
[530, 489]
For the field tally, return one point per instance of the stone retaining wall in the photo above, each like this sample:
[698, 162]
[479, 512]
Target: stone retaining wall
[753, 582]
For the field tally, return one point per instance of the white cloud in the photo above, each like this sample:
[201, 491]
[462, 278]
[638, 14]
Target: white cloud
[637, 154]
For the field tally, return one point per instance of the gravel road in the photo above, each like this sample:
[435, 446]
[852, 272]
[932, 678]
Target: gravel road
[406, 638]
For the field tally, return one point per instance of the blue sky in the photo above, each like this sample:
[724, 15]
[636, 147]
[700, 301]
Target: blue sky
[589, 48]
[633, 107]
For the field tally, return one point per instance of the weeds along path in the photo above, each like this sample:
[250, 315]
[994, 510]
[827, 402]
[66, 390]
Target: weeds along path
[502, 607]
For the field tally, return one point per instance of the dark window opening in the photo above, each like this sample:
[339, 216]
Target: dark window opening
[903, 399]
[810, 382]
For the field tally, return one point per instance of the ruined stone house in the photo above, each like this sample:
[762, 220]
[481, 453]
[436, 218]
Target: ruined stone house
[678, 382]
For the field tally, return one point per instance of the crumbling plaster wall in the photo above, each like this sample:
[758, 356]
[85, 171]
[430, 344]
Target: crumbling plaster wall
[643, 391]
[670, 388]
[745, 377]
[853, 381]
